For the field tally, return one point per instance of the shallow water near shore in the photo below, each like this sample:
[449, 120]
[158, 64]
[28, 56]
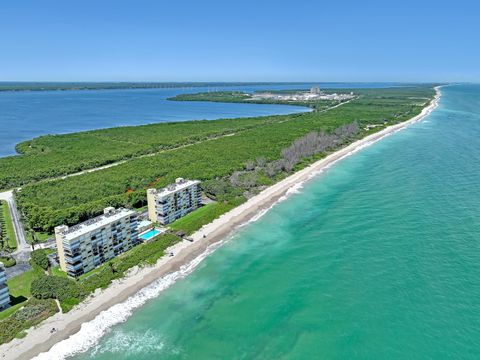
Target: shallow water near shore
[377, 257]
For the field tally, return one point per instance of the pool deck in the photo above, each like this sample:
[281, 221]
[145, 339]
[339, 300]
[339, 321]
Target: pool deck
[156, 231]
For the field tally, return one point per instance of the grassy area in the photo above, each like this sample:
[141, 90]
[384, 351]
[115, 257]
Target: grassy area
[97, 270]
[144, 254]
[195, 220]
[147, 253]
[7, 312]
[74, 199]
[43, 236]
[56, 271]
[40, 236]
[69, 293]
[8, 261]
[7, 233]
[19, 289]
[20, 285]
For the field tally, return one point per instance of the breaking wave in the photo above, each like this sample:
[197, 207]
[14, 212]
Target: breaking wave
[90, 332]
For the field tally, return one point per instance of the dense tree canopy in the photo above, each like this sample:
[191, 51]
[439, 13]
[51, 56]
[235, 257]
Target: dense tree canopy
[39, 257]
[71, 200]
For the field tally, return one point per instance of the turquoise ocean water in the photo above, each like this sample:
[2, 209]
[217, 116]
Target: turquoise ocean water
[378, 257]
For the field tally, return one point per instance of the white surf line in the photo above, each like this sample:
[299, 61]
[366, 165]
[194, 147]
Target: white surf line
[279, 191]
[92, 331]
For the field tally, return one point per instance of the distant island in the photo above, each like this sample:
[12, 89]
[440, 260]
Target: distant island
[110, 85]
[244, 165]
[314, 98]
[65, 86]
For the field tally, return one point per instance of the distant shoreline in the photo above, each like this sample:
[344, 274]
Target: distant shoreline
[41, 340]
[20, 86]
[157, 113]
[69, 86]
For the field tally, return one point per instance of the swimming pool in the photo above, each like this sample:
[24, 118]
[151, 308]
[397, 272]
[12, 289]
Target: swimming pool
[147, 235]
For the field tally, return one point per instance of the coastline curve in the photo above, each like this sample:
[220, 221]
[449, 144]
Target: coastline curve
[143, 284]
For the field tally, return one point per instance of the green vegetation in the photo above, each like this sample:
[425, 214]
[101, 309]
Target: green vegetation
[8, 241]
[49, 86]
[258, 152]
[143, 254]
[10, 310]
[19, 286]
[241, 97]
[40, 236]
[39, 257]
[216, 96]
[54, 287]
[27, 284]
[56, 155]
[8, 261]
[74, 199]
[28, 315]
[33, 292]
[195, 220]
[56, 271]
[70, 293]
[36, 237]
[66, 290]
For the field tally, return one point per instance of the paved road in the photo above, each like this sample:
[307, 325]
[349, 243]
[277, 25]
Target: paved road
[21, 266]
[22, 254]
[17, 225]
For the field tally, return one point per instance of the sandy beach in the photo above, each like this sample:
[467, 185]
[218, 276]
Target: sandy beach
[40, 339]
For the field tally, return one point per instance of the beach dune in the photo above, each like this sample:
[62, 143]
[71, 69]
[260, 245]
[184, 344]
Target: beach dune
[40, 339]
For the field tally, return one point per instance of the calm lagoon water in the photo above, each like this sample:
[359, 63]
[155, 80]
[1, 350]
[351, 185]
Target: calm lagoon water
[25, 115]
[378, 257]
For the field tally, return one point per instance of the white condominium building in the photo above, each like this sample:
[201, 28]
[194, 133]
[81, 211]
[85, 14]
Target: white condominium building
[4, 295]
[83, 247]
[176, 200]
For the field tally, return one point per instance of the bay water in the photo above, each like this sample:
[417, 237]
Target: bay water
[28, 114]
[376, 257]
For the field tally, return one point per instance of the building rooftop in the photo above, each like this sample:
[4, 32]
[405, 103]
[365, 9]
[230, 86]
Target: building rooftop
[179, 184]
[110, 215]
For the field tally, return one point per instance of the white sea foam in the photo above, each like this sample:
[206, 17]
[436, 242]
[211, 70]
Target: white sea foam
[131, 343]
[295, 189]
[257, 216]
[90, 332]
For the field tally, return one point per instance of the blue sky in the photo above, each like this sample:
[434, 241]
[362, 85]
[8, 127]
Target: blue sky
[116, 40]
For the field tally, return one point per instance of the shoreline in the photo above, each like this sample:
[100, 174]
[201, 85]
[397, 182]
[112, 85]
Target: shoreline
[34, 86]
[300, 109]
[40, 339]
